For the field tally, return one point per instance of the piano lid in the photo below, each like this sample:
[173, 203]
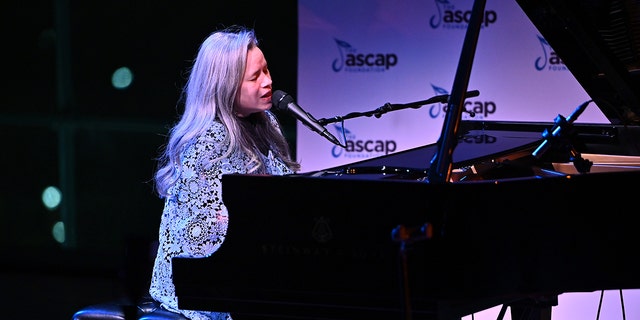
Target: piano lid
[599, 42]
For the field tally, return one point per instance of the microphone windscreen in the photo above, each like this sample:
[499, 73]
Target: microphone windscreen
[281, 99]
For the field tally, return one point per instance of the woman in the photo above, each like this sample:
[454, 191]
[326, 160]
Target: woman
[226, 128]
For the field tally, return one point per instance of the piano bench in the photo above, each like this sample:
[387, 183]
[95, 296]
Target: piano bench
[147, 309]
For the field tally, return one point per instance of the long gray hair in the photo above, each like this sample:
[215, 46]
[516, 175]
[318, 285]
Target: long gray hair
[211, 90]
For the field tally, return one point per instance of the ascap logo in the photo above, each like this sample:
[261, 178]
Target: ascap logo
[478, 139]
[480, 109]
[449, 17]
[549, 59]
[360, 148]
[351, 60]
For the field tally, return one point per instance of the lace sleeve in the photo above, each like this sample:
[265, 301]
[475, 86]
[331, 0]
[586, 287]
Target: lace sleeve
[194, 221]
[200, 219]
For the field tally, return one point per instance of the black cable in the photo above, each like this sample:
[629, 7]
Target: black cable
[600, 304]
[503, 311]
[622, 305]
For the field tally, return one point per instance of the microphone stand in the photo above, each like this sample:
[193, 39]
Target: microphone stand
[559, 137]
[388, 107]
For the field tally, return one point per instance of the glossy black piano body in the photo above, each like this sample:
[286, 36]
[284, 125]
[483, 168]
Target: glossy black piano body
[321, 245]
[508, 226]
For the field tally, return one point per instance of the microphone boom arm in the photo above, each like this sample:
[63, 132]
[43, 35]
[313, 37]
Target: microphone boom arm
[387, 107]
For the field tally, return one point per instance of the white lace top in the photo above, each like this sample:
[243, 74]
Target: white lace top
[194, 222]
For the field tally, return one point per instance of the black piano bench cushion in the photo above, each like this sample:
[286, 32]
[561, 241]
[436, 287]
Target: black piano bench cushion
[102, 311]
[145, 310]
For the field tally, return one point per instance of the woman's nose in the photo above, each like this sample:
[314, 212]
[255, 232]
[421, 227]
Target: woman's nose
[267, 81]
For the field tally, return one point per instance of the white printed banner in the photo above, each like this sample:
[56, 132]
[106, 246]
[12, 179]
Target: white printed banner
[358, 55]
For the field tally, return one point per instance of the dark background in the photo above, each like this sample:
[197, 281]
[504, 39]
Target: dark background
[62, 124]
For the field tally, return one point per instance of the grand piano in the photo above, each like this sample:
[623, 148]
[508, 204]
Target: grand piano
[507, 214]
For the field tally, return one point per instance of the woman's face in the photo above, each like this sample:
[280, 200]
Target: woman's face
[255, 90]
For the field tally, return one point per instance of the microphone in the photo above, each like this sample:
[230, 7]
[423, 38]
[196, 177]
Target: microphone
[284, 102]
